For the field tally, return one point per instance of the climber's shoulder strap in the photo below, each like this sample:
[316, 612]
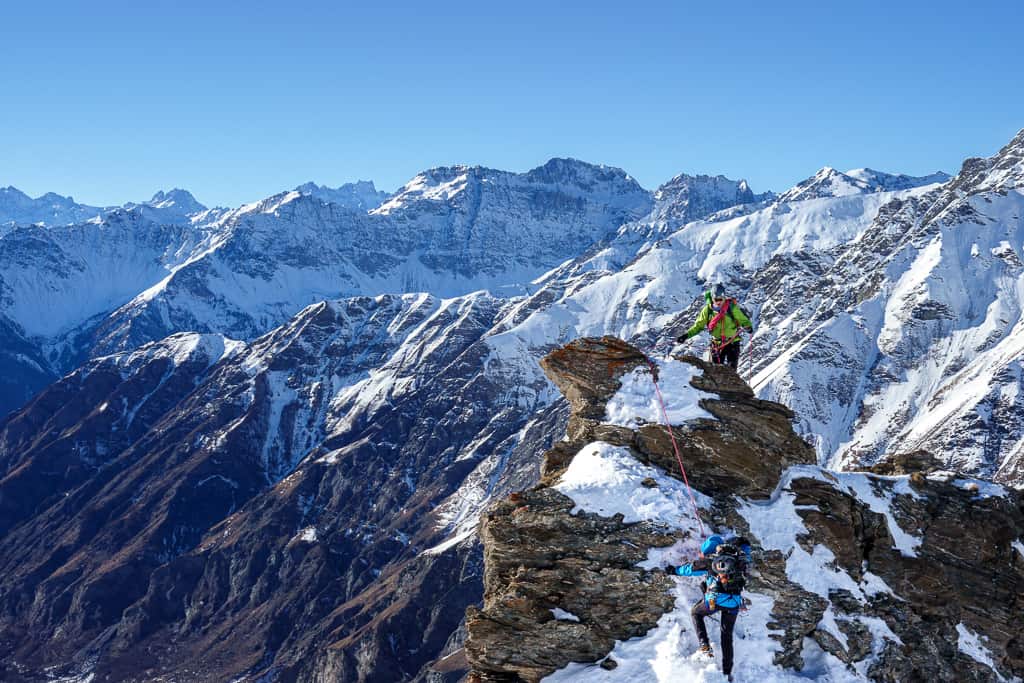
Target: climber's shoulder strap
[717, 318]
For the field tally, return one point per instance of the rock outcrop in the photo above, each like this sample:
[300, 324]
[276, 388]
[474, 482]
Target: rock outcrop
[894, 578]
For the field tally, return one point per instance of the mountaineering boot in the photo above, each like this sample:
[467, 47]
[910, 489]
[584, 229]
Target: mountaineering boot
[706, 650]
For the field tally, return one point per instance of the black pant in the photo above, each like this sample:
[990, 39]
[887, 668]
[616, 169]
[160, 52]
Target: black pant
[701, 610]
[727, 355]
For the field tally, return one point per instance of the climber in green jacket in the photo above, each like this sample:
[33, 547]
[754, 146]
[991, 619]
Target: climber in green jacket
[723, 318]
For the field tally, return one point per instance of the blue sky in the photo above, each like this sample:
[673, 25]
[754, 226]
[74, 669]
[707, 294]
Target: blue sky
[110, 101]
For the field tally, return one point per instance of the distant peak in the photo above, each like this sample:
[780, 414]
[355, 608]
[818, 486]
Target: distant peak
[177, 200]
[361, 195]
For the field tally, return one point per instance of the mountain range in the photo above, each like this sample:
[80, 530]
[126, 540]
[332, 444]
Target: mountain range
[257, 444]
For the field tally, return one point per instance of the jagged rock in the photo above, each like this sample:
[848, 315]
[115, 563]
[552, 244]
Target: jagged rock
[907, 463]
[925, 559]
[538, 556]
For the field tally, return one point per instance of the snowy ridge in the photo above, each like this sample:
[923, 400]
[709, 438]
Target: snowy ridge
[54, 210]
[361, 195]
[828, 182]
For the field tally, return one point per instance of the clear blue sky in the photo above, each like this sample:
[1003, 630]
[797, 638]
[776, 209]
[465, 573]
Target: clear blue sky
[110, 101]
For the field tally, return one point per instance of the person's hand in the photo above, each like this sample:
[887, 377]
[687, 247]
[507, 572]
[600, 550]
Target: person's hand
[682, 339]
[671, 570]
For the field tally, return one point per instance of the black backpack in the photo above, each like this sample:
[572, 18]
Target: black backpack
[728, 570]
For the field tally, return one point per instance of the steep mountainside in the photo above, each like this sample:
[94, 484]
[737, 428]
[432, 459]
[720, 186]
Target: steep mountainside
[189, 448]
[856, 576]
[889, 320]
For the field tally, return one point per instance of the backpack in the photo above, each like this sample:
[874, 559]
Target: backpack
[728, 570]
[727, 310]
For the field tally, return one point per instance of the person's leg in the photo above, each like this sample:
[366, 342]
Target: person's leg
[731, 355]
[697, 613]
[728, 621]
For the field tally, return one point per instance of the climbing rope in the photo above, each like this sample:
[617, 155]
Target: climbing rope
[675, 446]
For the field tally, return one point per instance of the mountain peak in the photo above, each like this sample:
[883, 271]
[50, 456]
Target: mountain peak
[829, 182]
[361, 195]
[181, 200]
[569, 171]
[687, 198]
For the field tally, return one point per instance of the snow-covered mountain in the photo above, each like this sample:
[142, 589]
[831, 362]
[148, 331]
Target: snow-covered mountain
[368, 358]
[865, 325]
[17, 208]
[258, 265]
[688, 198]
[361, 195]
[828, 182]
[175, 206]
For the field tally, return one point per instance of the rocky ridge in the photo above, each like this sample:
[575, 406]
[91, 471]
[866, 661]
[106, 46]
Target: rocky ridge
[874, 572]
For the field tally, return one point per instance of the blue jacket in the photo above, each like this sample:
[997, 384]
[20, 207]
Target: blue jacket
[722, 600]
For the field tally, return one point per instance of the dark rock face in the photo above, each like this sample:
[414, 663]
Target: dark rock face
[540, 557]
[962, 575]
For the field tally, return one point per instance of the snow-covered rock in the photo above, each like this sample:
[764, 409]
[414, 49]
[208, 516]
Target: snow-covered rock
[855, 576]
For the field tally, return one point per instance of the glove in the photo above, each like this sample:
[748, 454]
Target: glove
[671, 570]
[682, 339]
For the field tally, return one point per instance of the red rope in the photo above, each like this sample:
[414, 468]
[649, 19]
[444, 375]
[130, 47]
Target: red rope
[675, 446]
[750, 356]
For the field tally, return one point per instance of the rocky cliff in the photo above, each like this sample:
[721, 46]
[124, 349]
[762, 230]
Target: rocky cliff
[858, 576]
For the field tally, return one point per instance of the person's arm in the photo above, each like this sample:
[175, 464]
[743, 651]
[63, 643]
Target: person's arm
[702, 321]
[695, 568]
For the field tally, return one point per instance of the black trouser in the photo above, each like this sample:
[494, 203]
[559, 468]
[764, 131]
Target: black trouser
[701, 610]
[727, 355]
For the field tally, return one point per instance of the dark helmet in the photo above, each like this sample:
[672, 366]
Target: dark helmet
[725, 565]
[718, 291]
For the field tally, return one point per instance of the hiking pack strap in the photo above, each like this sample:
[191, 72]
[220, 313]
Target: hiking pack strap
[720, 316]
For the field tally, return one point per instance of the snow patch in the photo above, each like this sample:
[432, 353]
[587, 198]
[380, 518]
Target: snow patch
[606, 479]
[970, 644]
[307, 535]
[562, 615]
[636, 402]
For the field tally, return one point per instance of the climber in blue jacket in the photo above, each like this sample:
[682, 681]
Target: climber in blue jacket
[723, 565]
